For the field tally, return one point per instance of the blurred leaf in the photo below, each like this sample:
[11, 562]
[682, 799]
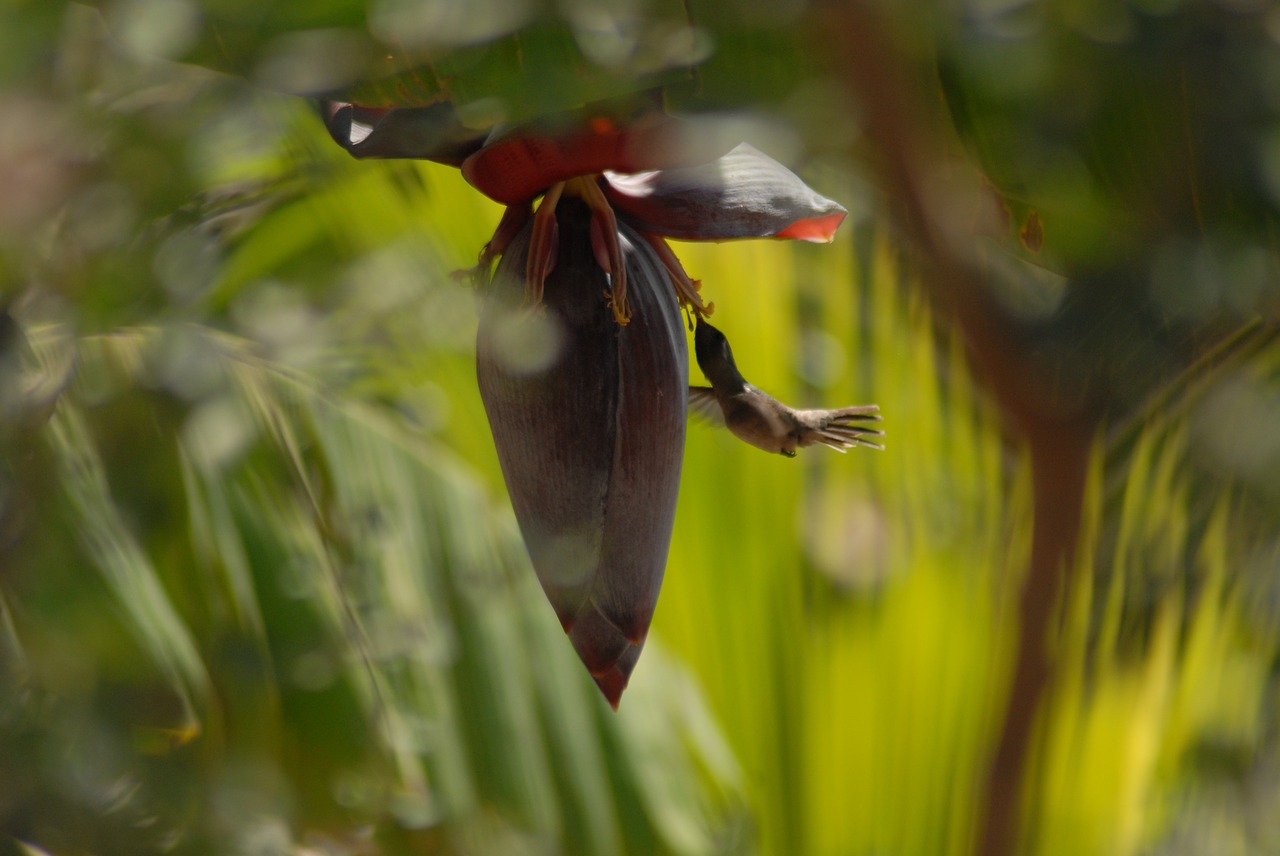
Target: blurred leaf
[496, 61]
[361, 598]
[107, 541]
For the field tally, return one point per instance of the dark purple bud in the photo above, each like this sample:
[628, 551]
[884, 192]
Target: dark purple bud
[588, 418]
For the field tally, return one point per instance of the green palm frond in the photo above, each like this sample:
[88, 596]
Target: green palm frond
[852, 619]
[349, 611]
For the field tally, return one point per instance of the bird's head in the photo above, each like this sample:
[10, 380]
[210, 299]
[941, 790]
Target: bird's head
[715, 357]
[709, 344]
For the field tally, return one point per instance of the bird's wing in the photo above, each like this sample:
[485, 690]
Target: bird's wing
[703, 404]
[840, 429]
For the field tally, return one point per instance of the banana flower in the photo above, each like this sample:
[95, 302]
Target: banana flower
[582, 356]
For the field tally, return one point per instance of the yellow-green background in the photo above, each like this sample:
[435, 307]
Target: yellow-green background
[261, 591]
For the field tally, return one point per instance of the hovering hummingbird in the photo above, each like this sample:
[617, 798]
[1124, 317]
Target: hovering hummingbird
[760, 419]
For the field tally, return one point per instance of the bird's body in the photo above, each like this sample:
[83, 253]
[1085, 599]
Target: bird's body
[758, 418]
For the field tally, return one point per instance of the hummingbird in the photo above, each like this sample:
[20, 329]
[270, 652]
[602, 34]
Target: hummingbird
[758, 418]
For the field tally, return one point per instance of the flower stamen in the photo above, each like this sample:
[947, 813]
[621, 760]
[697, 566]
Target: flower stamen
[687, 289]
[544, 242]
[604, 239]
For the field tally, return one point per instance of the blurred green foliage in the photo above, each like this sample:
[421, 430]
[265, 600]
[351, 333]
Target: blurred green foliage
[260, 591]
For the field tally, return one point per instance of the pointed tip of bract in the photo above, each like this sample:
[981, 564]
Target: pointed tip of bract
[613, 681]
[608, 654]
[611, 684]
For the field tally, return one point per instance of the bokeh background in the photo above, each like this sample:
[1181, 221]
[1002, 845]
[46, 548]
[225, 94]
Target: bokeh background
[261, 590]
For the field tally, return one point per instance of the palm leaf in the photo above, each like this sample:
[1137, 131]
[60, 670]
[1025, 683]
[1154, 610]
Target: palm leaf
[377, 644]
